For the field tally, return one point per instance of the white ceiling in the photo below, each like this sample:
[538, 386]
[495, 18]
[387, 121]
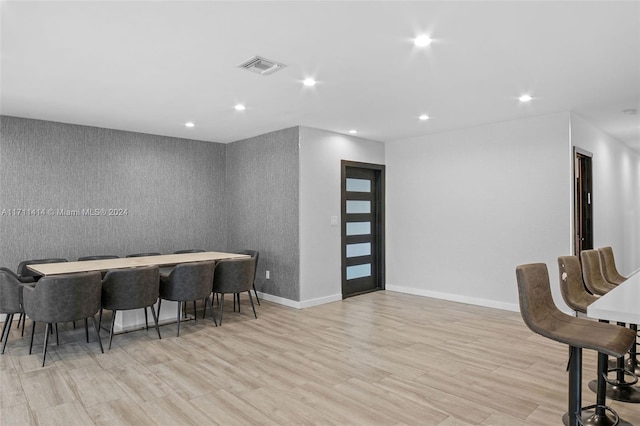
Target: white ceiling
[152, 66]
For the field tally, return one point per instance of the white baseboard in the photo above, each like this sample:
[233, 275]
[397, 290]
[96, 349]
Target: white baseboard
[300, 305]
[455, 298]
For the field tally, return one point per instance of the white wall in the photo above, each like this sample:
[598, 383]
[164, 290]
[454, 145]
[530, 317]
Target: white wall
[465, 207]
[320, 254]
[616, 193]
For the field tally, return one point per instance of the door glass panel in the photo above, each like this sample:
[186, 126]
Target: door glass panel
[358, 185]
[358, 228]
[356, 206]
[358, 271]
[360, 249]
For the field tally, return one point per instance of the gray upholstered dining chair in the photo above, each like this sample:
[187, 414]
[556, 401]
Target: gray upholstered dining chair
[592, 273]
[153, 253]
[130, 288]
[255, 255]
[27, 275]
[234, 276]
[188, 282]
[62, 298]
[97, 257]
[609, 269]
[10, 302]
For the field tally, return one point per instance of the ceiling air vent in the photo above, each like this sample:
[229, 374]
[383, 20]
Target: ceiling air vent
[261, 65]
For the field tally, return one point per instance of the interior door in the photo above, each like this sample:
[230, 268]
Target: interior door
[583, 210]
[362, 228]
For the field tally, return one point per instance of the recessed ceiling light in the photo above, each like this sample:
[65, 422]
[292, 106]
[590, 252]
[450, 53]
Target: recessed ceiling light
[189, 124]
[240, 107]
[353, 131]
[422, 41]
[525, 98]
[630, 111]
[309, 82]
[424, 117]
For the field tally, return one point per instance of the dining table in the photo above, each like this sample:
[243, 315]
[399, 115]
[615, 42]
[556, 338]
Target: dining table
[621, 305]
[134, 319]
[163, 260]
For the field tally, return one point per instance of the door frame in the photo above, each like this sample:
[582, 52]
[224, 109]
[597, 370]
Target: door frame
[379, 221]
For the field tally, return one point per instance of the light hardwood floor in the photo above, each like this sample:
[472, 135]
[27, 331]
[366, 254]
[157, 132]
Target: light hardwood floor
[378, 359]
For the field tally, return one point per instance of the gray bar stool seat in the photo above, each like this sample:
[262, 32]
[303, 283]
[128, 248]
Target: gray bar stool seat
[541, 315]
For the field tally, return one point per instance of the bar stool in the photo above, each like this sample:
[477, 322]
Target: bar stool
[592, 273]
[541, 315]
[609, 269]
[612, 275]
[572, 288]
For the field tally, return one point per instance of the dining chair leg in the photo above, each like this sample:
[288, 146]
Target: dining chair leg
[24, 319]
[86, 328]
[113, 321]
[252, 305]
[33, 332]
[159, 306]
[95, 327]
[221, 306]
[8, 320]
[46, 341]
[256, 293]
[179, 306]
[19, 319]
[100, 319]
[7, 324]
[213, 314]
[195, 316]
[238, 297]
[57, 338]
[146, 319]
[204, 310]
[155, 320]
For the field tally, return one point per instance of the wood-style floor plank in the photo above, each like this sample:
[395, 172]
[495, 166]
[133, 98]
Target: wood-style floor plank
[378, 359]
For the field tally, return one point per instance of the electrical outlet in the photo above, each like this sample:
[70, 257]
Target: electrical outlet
[268, 275]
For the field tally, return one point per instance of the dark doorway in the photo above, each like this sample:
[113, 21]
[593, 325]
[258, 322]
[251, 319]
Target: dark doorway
[362, 228]
[583, 190]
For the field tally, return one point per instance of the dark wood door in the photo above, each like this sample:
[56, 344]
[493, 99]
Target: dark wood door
[583, 221]
[362, 228]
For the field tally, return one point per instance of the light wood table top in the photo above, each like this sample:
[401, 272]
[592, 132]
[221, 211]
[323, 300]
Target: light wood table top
[622, 304]
[130, 262]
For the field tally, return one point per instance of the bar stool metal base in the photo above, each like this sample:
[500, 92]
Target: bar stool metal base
[619, 393]
[609, 418]
[631, 364]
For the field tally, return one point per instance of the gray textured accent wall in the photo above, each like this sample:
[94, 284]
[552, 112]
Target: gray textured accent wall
[173, 190]
[263, 209]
